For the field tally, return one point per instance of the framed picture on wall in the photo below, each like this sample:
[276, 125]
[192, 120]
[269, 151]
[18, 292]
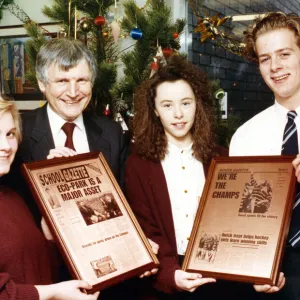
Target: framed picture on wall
[15, 64]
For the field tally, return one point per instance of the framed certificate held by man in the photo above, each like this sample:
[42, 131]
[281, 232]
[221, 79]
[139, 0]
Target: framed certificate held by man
[242, 222]
[96, 231]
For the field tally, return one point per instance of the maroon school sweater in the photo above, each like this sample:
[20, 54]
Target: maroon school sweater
[25, 255]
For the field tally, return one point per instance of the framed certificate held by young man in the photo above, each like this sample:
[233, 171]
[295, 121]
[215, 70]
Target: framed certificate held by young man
[243, 218]
[96, 231]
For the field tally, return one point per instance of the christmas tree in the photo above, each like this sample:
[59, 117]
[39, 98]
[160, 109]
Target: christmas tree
[152, 27]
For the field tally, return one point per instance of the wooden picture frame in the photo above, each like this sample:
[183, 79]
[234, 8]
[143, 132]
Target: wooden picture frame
[243, 218]
[87, 213]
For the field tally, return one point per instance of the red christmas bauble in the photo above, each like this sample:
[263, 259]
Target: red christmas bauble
[167, 52]
[155, 66]
[175, 35]
[99, 20]
[106, 111]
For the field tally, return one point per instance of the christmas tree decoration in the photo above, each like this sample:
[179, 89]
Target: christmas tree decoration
[115, 26]
[120, 106]
[208, 26]
[107, 111]
[61, 34]
[129, 114]
[85, 25]
[159, 60]
[219, 94]
[75, 23]
[155, 65]
[115, 29]
[136, 33]
[105, 33]
[99, 20]
[167, 52]
[70, 17]
[175, 35]
[121, 121]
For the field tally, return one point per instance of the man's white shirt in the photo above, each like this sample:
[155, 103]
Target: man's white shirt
[262, 135]
[79, 135]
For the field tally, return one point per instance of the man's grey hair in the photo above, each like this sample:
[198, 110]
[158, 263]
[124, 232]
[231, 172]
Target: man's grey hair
[66, 54]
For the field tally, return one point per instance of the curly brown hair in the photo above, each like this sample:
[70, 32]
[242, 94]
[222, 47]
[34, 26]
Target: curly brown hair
[150, 140]
[270, 21]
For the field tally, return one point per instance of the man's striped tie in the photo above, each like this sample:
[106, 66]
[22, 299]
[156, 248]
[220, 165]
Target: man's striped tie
[290, 137]
[290, 147]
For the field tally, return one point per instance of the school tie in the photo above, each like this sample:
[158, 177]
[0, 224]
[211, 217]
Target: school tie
[68, 129]
[290, 136]
[290, 147]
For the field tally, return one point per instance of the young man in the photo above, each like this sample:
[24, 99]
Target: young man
[273, 42]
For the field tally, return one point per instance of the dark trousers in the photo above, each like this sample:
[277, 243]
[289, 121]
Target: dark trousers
[291, 269]
[221, 290]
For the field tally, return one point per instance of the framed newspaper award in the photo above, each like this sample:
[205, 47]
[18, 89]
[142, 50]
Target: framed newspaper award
[96, 231]
[243, 218]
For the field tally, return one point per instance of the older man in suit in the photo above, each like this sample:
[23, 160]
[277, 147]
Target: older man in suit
[66, 71]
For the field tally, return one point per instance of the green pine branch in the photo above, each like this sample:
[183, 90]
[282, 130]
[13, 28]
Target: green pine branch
[157, 28]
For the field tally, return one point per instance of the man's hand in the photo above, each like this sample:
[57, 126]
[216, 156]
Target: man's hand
[47, 233]
[266, 288]
[190, 281]
[67, 290]
[296, 164]
[61, 152]
[155, 248]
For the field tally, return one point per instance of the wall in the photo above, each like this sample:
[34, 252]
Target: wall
[247, 92]
[33, 9]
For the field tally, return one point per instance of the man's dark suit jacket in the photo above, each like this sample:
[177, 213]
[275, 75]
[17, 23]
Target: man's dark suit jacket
[103, 135]
[147, 193]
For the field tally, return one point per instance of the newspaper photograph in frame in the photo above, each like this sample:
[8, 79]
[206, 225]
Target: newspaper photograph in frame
[90, 219]
[242, 222]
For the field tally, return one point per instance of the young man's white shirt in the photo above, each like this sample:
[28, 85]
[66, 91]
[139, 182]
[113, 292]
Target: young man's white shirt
[262, 135]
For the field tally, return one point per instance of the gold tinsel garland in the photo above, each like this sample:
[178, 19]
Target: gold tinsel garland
[208, 27]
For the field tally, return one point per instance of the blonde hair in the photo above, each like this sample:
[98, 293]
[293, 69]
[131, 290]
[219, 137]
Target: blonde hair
[7, 105]
[271, 21]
